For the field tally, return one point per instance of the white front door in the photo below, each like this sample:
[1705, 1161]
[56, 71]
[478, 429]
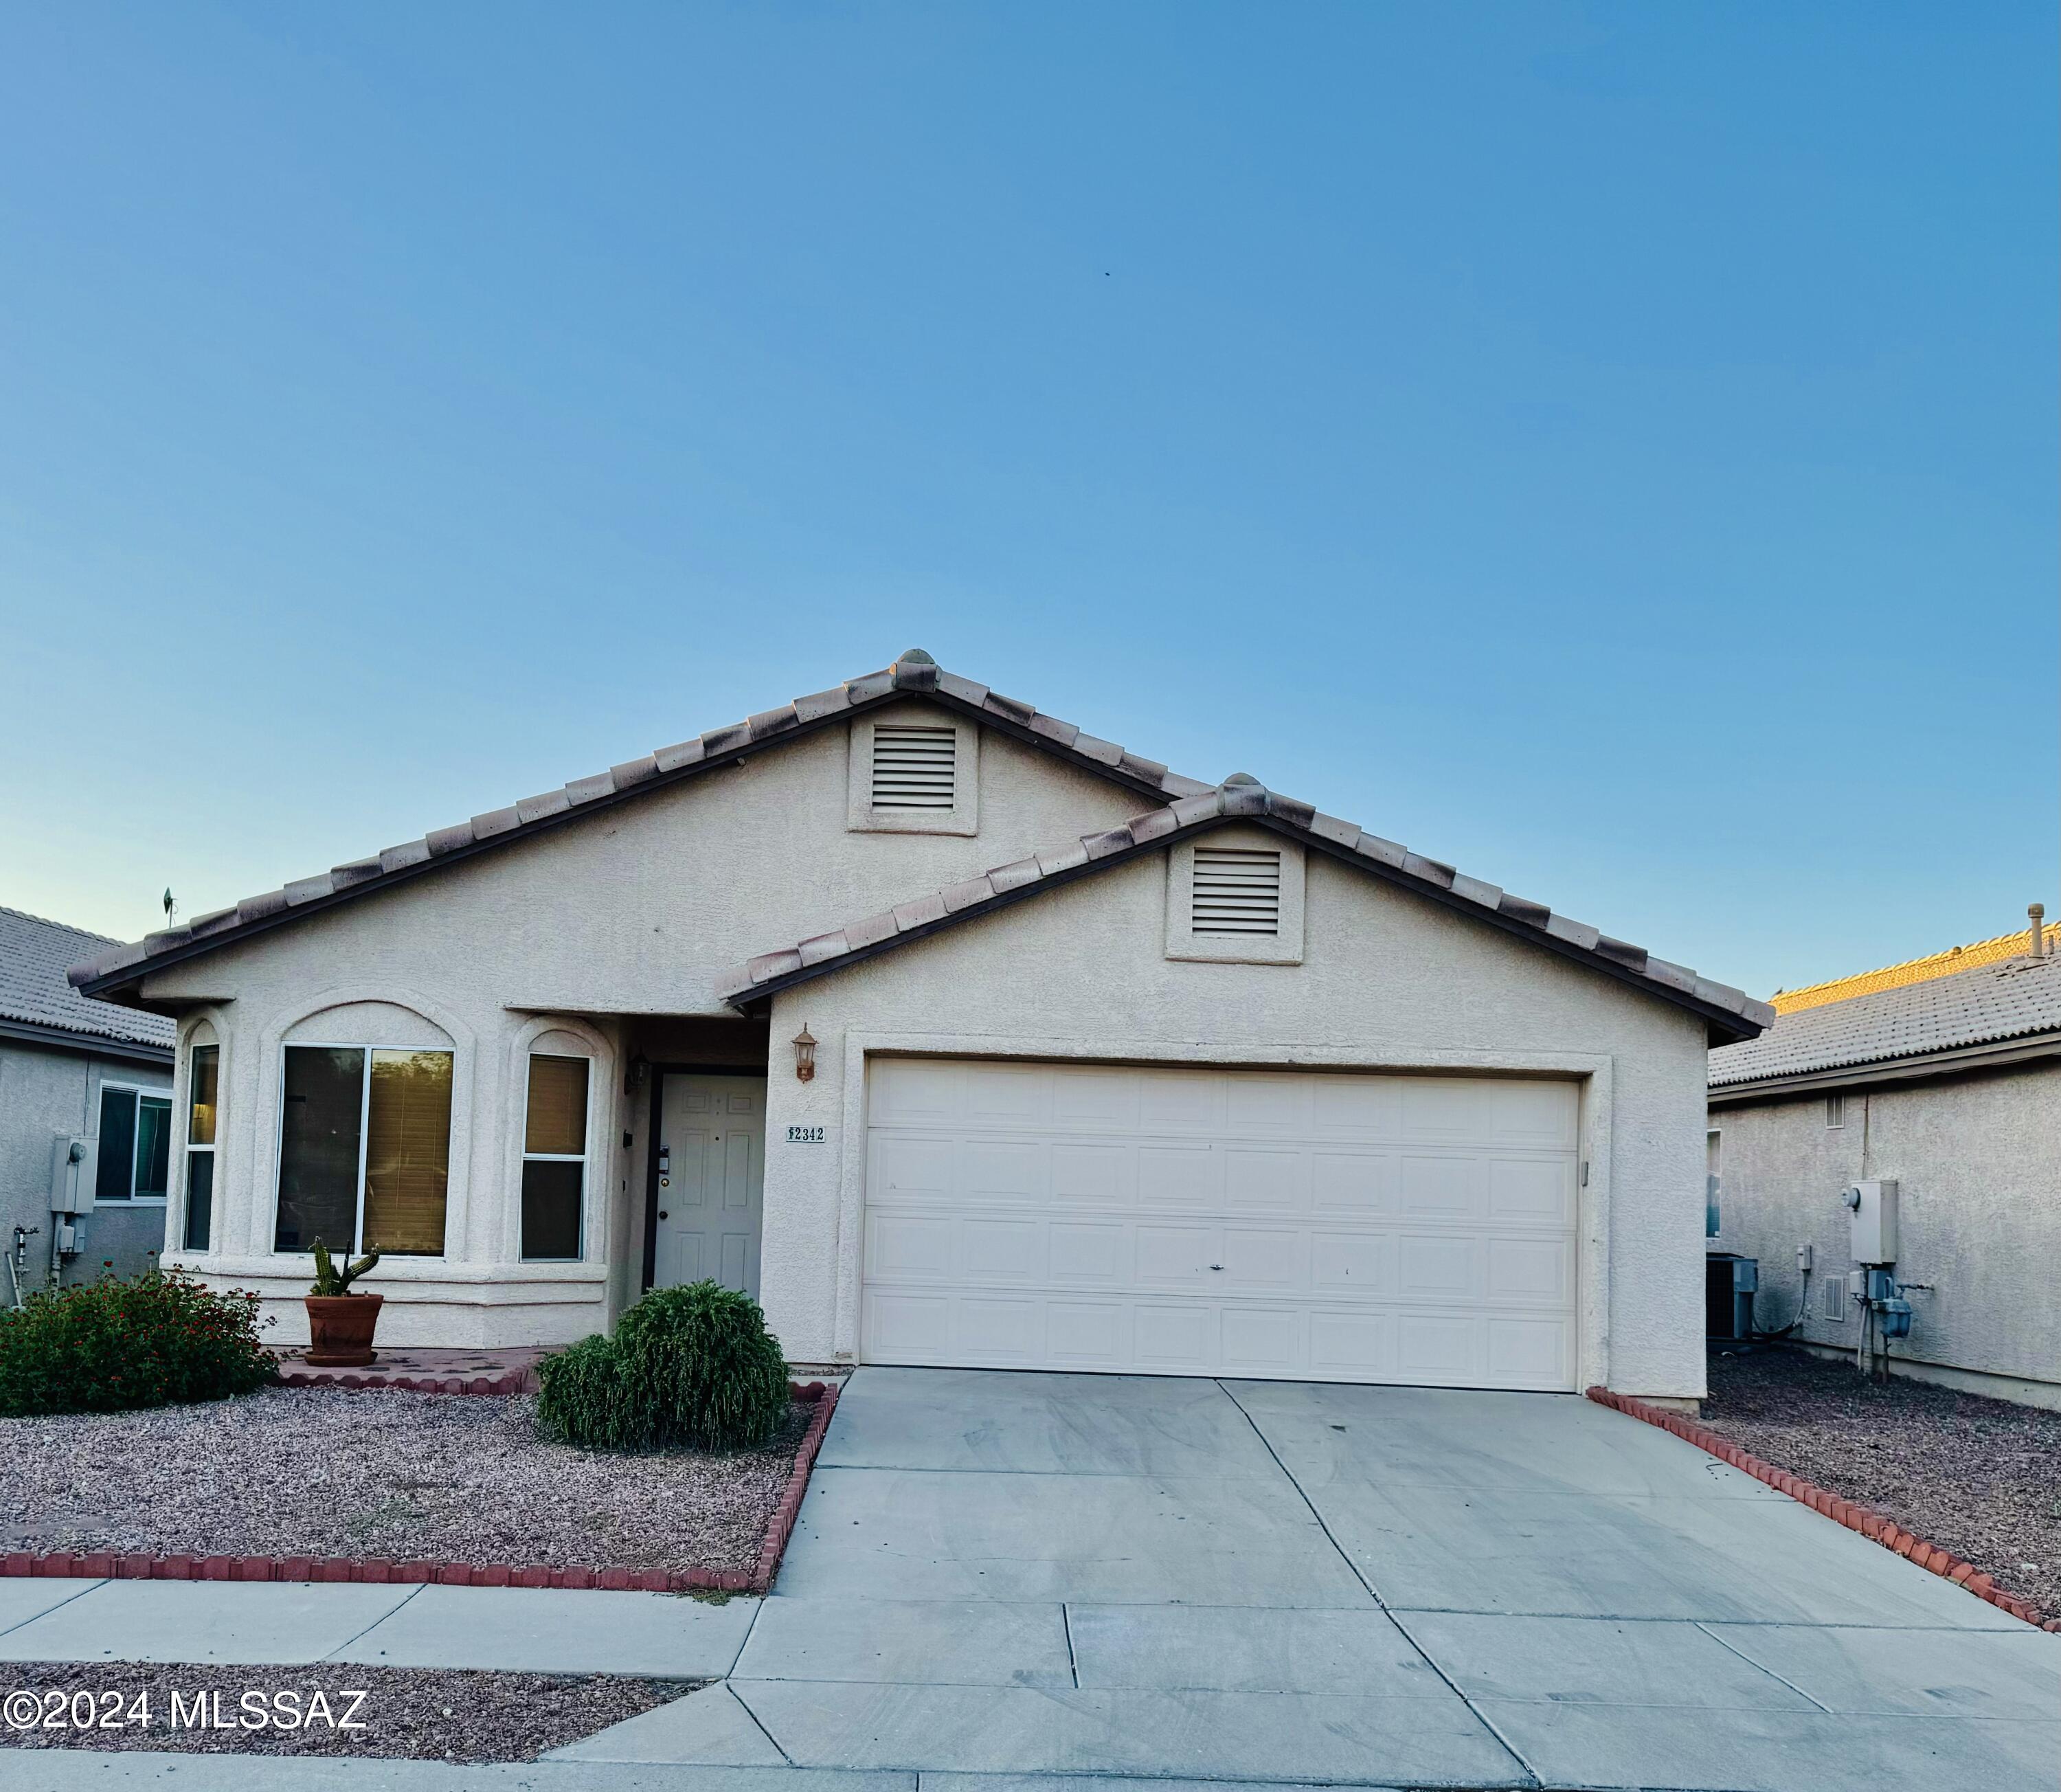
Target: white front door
[1190, 1221]
[711, 1180]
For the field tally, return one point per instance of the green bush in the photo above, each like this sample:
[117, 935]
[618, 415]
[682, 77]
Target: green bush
[158, 1339]
[693, 1367]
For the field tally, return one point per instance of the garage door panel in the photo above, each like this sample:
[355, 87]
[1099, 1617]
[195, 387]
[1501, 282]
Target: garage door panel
[1189, 1221]
[1263, 1259]
[1364, 1183]
[1538, 1271]
[1357, 1265]
[1180, 1176]
[1255, 1177]
[1436, 1267]
[1263, 1341]
[1444, 1186]
[1170, 1340]
[1175, 1258]
[1256, 1101]
[899, 1166]
[1094, 1173]
[1532, 1191]
[1099, 1255]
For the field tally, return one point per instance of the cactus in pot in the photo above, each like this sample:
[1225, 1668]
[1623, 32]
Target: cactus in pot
[341, 1323]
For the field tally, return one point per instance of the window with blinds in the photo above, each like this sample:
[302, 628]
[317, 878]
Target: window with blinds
[364, 1150]
[1235, 892]
[554, 1158]
[914, 768]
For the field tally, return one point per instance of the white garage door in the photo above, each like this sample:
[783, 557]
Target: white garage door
[1196, 1222]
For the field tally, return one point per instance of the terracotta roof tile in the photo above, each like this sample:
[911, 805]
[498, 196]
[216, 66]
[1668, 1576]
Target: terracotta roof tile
[1185, 804]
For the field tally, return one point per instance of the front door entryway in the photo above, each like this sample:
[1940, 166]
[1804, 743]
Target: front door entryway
[711, 1180]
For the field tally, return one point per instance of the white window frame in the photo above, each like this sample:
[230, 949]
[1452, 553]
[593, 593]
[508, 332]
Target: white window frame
[1836, 1111]
[962, 817]
[1281, 948]
[584, 1159]
[187, 1149]
[357, 1248]
[110, 1086]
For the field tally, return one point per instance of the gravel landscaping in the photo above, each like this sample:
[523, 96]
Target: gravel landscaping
[1979, 1478]
[413, 1713]
[326, 1472]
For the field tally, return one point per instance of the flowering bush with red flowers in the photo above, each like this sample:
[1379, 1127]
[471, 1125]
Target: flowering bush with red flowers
[158, 1339]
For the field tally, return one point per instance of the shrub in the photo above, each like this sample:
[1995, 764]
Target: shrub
[691, 1366]
[158, 1339]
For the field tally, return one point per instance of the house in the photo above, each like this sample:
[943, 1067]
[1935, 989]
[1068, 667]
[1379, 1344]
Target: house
[83, 1068]
[1194, 1081]
[1943, 1075]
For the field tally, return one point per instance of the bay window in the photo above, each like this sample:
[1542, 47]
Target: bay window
[554, 1157]
[203, 1079]
[364, 1149]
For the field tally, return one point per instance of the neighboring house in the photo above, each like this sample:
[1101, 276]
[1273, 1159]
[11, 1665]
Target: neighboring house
[70, 1065]
[1944, 1075]
[1195, 1082]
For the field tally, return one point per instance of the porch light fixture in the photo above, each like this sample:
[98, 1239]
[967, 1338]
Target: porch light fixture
[640, 1071]
[805, 1054]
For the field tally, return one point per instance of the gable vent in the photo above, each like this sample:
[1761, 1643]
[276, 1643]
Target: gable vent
[1236, 890]
[914, 768]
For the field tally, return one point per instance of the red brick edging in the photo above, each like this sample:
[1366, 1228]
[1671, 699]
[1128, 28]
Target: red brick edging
[515, 1381]
[1872, 1525]
[107, 1564]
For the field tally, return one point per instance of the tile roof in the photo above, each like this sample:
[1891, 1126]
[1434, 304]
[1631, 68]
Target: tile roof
[1183, 803]
[1730, 1013]
[1912, 970]
[1991, 1003]
[33, 991]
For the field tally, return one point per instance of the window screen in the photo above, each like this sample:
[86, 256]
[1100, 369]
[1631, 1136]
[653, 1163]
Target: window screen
[118, 1146]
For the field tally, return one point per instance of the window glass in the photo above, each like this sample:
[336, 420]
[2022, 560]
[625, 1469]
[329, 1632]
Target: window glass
[117, 1144]
[154, 1147]
[203, 1069]
[557, 1125]
[200, 1200]
[407, 1153]
[318, 1147]
[551, 1189]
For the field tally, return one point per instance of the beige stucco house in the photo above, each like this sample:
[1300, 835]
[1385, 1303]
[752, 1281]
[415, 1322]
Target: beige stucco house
[1194, 1081]
[1943, 1076]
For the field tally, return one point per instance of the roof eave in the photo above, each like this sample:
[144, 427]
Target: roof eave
[66, 1038]
[1955, 1061]
[1722, 1026]
[122, 984]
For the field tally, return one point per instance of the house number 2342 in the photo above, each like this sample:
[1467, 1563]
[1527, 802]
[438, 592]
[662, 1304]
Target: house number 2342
[805, 1135]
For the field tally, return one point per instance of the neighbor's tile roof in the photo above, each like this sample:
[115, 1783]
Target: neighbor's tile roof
[1993, 1002]
[34, 955]
[916, 674]
[1243, 797]
[1912, 970]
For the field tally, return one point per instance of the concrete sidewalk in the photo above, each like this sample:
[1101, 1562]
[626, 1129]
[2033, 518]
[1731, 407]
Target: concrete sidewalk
[537, 1630]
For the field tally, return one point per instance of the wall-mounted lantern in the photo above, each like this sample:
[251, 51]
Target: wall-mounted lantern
[805, 1054]
[638, 1074]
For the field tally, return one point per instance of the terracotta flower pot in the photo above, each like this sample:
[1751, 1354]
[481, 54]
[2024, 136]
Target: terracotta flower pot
[340, 1328]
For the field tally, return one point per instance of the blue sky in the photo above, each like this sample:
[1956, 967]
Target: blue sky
[1610, 448]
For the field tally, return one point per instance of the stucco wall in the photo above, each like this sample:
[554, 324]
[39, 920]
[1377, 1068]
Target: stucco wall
[1978, 1160]
[1387, 981]
[630, 913]
[46, 1090]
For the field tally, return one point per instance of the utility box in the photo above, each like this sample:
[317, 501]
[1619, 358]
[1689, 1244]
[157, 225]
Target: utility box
[1729, 1283]
[1871, 1216]
[74, 1172]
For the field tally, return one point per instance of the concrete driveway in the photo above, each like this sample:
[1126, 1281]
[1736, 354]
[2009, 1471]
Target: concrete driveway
[1025, 1573]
